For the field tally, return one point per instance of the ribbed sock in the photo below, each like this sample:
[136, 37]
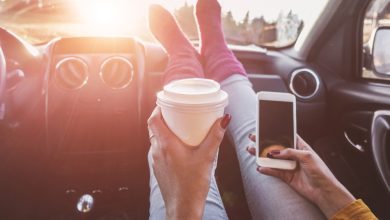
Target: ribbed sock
[183, 57]
[218, 60]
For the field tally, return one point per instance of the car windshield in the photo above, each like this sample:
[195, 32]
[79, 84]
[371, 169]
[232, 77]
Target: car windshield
[275, 23]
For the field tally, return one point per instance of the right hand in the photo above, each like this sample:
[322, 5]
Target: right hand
[183, 172]
[312, 178]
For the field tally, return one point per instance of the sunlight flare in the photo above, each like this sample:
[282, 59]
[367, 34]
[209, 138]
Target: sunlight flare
[104, 17]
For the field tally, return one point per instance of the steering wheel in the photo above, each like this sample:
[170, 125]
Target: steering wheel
[3, 79]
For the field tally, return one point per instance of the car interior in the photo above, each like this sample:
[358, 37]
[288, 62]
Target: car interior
[73, 113]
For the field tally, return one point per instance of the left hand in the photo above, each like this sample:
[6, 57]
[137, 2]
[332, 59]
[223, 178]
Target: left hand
[312, 178]
[183, 172]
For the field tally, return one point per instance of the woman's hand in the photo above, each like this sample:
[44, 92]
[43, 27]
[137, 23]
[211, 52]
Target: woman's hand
[312, 178]
[183, 172]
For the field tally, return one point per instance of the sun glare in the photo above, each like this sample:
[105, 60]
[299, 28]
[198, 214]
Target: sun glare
[101, 14]
[103, 17]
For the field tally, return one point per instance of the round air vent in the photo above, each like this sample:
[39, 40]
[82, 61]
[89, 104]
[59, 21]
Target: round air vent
[71, 73]
[304, 83]
[117, 72]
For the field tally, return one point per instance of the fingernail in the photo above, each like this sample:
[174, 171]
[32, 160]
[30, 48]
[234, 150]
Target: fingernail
[250, 136]
[258, 169]
[225, 121]
[247, 148]
[270, 155]
[274, 152]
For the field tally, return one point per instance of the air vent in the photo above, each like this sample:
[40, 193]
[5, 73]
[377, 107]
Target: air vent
[117, 72]
[71, 73]
[304, 83]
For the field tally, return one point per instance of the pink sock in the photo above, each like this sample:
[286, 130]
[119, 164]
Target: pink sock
[183, 57]
[219, 62]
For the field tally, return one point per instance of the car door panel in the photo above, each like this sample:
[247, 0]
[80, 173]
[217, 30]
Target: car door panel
[362, 143]
[380, 141]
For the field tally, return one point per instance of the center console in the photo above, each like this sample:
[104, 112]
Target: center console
[95, 141]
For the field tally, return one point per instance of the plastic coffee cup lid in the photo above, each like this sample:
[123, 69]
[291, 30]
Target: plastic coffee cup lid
[192, 92]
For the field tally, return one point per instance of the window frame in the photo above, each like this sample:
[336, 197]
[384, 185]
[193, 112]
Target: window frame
[379, 80]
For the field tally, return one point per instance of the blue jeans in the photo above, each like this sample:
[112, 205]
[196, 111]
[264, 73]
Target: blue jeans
[267, 197]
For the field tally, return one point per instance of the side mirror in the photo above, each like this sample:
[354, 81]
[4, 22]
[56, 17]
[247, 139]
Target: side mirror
[381, 52]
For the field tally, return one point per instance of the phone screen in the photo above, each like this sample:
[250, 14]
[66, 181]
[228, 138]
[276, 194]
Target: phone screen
[276, 126]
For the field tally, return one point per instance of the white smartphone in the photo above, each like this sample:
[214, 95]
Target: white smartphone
[276, 128]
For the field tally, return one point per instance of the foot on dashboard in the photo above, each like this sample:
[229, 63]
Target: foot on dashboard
[219, 62]
[183, 57]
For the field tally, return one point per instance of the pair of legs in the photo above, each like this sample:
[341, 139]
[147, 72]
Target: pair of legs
[267, 197]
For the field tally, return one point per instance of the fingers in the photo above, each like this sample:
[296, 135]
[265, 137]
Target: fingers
[302, 145]
[251, 150]
[270, 172]
[214, 138]
[157, 127]
[284, 175]
[252, 137]
[292, 154]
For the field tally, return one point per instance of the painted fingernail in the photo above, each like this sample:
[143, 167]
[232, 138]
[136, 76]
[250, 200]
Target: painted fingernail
[274, 152]
[270, 155]
[250, 136]
[247, 148]
[258, 169]
[225, 121]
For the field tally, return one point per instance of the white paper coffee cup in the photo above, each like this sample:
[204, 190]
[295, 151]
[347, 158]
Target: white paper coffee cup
[191, 106]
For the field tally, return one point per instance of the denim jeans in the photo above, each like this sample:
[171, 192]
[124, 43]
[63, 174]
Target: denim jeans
[267, 197]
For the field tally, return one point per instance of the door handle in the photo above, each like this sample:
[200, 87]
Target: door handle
[380, 129]
[355, 145]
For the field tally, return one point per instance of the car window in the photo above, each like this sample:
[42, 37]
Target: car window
[275, 23]
[377, 17]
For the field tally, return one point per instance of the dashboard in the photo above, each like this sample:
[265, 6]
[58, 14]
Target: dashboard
[86, 84]
[78, 105]
[82, 103]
